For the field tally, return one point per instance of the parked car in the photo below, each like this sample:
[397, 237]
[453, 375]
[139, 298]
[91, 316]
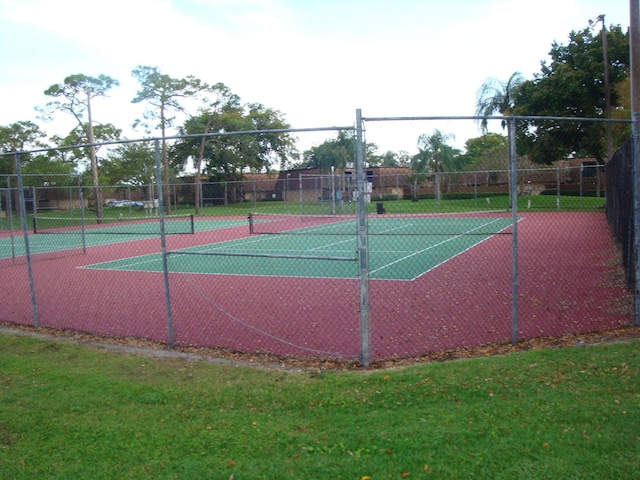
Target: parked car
[123, 203]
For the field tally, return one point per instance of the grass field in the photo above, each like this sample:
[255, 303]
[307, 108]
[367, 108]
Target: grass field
[73, 411]
[533, 203]
[530, 203]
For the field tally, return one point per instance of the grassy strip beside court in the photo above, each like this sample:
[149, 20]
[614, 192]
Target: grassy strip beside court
[536, 203]
[71, 411]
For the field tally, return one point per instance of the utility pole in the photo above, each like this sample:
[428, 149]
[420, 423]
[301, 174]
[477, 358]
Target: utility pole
[607, 88]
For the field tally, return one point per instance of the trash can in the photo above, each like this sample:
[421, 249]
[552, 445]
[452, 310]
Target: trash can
[379, 208]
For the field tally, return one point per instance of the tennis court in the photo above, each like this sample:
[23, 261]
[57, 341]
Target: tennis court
[400, 248]
[54, 234]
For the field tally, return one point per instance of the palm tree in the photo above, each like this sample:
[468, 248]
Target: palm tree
[434, 155]
[495, 96]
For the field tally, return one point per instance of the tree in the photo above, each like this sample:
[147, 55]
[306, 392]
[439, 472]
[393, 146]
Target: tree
[78, 154]
[486, 155]
[130, 164]
[76, 94]
[43, 170]
[18, 136]
[221, 157]
[217, 117]
[495, 96]
[488, 152]
[226, 157]
[572, 85]
[38, 169]
[434, 156]
[395, 159]
[207, 151]
[273, 147]
[164, 94]
[337, 153]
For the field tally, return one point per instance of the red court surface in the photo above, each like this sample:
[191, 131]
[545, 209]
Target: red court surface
[569, 281]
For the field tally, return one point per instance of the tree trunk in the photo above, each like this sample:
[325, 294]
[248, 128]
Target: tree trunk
[97, 191]
[203, 143]
[166, 187]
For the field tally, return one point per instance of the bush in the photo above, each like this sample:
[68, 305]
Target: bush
[386, 197]
[573, 193]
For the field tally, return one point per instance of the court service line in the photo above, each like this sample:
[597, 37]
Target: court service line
[418, 252]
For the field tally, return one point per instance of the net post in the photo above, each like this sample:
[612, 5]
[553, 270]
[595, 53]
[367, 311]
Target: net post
[192, 223]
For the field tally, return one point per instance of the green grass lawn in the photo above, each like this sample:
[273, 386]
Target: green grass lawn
[535, 203]
[73, 411]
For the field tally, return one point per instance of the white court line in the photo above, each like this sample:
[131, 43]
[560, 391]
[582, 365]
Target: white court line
[418, 252]
[249, 241]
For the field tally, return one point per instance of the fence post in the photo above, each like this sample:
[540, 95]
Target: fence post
[363, 254]
[82, 215]
[25, 233]
[514, 242]
[226, 197]
[300, 194]
[635, 159]
[163, 242]
[558, 188]
[10, 220]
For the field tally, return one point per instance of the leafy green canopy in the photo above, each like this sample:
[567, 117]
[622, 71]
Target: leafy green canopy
[226, 157]
[572, 85]
[18, 136]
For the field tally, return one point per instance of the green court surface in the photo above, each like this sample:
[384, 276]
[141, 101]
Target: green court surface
[399, 249]
[60, 236]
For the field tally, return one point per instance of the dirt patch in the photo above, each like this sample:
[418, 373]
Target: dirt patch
[136, 346]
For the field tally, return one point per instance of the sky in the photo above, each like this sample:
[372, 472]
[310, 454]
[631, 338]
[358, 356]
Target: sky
[315, 61]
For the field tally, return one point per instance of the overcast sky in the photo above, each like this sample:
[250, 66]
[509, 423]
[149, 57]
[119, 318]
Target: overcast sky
[316, 61]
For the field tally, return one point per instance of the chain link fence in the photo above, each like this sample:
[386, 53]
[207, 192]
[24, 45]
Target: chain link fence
[620, 205]
[356, 262]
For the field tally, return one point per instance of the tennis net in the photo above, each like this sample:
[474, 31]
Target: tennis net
[419, 224]
[271, 223]
[174, 224]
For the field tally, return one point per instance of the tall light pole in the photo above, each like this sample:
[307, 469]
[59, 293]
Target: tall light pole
[607, 90]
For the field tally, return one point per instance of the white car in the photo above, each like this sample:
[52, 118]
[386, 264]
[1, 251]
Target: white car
[123, 203]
